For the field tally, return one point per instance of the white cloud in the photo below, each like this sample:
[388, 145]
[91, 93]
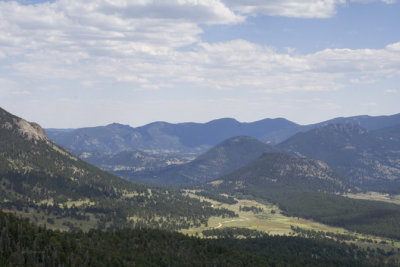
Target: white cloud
[205, 11]
[391, 91]
[293, 8]
[287, 8]
[377, 61]
[101, 27]
[89, 42]
[369, 1]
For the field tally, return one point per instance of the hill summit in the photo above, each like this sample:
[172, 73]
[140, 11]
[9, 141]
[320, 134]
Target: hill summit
[284, 172]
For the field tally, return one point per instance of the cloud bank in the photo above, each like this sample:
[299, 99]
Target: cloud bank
[156, 45]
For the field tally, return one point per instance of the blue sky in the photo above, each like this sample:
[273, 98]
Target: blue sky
[69, 63]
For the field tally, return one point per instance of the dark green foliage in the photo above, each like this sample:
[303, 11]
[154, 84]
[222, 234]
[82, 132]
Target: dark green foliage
[295, 251]
[320, 234]
[217, 197]
[233, 232]
[252, 209]
[22, 243]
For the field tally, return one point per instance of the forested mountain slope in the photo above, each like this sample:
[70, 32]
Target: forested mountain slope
[132, 161]
[39, 179]
[277, 170]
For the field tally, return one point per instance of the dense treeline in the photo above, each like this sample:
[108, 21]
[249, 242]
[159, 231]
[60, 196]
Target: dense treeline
[22, 243]
[253, 209]
[233, 232]
[217, 197]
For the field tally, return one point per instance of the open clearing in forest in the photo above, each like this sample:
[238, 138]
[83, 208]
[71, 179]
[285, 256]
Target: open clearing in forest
[270, 220]
[395, 199]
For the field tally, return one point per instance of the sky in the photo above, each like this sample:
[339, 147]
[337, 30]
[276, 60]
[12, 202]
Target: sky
[70, 64]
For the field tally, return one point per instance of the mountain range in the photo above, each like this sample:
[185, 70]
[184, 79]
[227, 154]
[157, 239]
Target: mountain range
[167, 138]
[362, 149]
[222, 159]
[194, 138]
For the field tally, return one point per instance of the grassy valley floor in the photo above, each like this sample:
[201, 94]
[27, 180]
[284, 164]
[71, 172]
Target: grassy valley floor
[269, 219]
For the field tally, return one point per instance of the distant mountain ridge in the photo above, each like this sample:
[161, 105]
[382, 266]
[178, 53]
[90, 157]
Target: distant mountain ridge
[195, 138]
[370, 123]
[367, 158]
[162, 137]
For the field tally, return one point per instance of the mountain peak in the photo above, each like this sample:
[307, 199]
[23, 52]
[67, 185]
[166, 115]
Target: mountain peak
[345, 128]
[224, 121]
[118, 125]
[29, 130]
[277, 170]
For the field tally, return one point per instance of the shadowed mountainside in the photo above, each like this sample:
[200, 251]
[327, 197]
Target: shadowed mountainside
[222, 159]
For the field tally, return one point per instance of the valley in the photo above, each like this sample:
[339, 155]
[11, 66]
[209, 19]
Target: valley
[240, 192]
[269, 220]
[199, 133]
[376, 196]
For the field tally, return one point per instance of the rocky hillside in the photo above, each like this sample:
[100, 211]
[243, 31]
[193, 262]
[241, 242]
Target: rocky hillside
[283, 172]
[25, 150]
